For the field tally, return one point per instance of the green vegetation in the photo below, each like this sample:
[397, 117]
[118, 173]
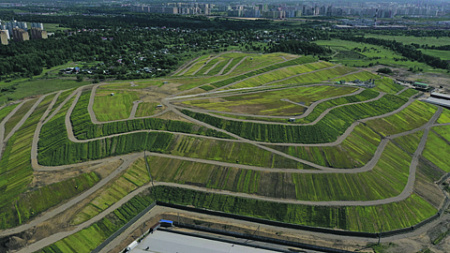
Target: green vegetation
[363, 96]
[316, 77]
[445, 117]
[133, 178]
[6, 110]
[26, 88]
[297, 61]
[326, 130]
[393, 167]
[12, 122]
[148, 109]
[15, 168]
[83, 127]
[358, 54]
[355, 151]
[436, 149]
[367, 219]
[277, 102]
[409, 93]
[31, 203]
[280, 74]
[415, 115]
[420, 40]
[382, 84]
[112, 105]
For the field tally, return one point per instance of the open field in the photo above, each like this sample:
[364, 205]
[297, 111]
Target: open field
[386, 217]
[430, 41]
[356, 54]
[113, 105]
[326, 130]
[280, 74]
[437, 148]
[274, 103]
[33, 87]
[413, 116]
[316, 77]
[351, 158]
[6, 110]
[445, 117]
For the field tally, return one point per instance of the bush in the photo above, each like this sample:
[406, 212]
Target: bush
[386, 71]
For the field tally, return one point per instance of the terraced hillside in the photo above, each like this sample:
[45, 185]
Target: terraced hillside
[269, 136]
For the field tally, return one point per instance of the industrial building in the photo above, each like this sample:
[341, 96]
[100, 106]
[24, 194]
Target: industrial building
[439, 99]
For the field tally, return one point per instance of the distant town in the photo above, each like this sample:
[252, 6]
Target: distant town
[18, 31]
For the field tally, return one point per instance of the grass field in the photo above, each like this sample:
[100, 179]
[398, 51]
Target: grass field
[326, 130]
[393, 167]
[430, 41]
[355, 151]
[15, 169]
[365, 219]
[413, 116]
[148, 109]
[437, 147]
[382, 84]
[316, 77]
[6, 110]
[357, 54]
[445, 117]
[280, 74]
[12, 122]
[26, 88]
[109, 107]
[184, 150]
[134, 177]
[275, 103]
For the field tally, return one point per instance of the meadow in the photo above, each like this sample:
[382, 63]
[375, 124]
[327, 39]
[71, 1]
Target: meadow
[272, 103]
[326, 130]
[355, 54]
[112, 105]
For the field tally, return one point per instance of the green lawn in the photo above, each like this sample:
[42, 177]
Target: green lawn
[272, 102]
[415, 115]
[356, 54]
[430, 41]
[437, 148]
[109, 107]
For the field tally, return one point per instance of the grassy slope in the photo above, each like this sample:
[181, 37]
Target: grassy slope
[270, 102]
[367, 219]
[108, 107]
[437, 148]
[413, 116]
[445, 117]
[6, 110]
[371, 54]
[12, 122]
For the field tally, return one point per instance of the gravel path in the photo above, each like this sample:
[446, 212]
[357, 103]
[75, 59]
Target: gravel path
[213, 66]
[225, 67]
[2, 126]
[134, 109]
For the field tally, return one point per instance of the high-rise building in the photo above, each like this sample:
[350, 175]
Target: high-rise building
[20, 35]
[4, 37]
[38, 33]
[37, 25]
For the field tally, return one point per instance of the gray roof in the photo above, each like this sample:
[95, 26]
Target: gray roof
[438, 101]
[167, 242]
[440, 95]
